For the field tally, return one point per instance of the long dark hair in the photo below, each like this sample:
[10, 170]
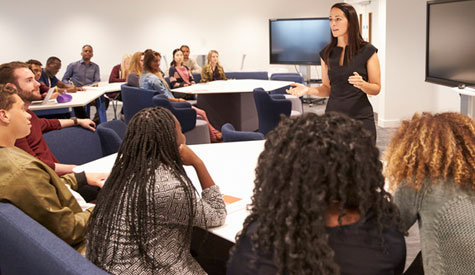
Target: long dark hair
[149, 56]
[308, 163]
[355, 40]
[129, 192]
[173, 63]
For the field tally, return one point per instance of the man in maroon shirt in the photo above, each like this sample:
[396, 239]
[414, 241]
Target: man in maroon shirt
[19, 74]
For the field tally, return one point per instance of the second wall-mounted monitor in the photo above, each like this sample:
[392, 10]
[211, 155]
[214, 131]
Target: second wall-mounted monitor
[298, 41]
[450, 52]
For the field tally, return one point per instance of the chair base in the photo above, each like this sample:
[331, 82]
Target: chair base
[199, 134]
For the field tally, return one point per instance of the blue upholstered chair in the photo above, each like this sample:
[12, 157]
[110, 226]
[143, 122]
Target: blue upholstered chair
[247, 75]
[135, 99]
[269, 109]
[230, 134]
[118, 126]
[26, 247]
[76, 145]
[184, 113]
[196, 130]
[112, 132]
[197, 78]
[294, 77]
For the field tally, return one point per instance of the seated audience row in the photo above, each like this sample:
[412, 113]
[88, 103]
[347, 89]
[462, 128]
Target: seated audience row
[30, 184]
[19, 75]
[328, 214]
[152, 79]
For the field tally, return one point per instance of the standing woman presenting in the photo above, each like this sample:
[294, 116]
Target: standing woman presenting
[350, 69]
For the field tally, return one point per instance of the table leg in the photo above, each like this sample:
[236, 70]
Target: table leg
[238, 109]
[101, 109]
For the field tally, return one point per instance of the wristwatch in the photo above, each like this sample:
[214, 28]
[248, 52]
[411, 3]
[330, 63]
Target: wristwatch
[75, 121]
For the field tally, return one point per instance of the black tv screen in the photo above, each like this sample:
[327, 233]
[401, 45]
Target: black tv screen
[298, 41]
[450, 49]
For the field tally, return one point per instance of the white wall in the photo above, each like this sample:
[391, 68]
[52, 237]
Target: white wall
[39, 29]
[404, 90]
[378, 33]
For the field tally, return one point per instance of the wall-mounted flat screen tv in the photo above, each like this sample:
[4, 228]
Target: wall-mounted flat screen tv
[298, 41]
[450, 49]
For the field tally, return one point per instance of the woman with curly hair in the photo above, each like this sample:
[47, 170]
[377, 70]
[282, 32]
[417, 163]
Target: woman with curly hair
[319, 204]
[142, 223]
[431, 165]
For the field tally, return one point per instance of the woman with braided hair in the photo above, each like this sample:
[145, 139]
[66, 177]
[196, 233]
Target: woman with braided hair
[431, 167]
[319, 204]
[143, 219]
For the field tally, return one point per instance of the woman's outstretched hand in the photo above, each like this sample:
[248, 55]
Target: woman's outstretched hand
[298, 90]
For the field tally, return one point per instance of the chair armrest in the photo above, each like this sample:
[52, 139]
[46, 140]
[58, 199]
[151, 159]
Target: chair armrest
[186, 116]
[277, 96]
[181, 104]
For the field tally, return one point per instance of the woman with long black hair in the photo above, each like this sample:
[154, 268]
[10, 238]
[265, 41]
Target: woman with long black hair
[143, 219]
[350, 69]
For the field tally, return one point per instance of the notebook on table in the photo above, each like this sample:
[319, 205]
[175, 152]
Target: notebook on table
[47, 98]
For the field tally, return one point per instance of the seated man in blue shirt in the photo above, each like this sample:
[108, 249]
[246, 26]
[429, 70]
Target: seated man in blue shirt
[83, 73]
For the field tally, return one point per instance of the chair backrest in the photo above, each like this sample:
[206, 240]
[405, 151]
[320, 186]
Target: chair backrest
[269, 110]
[197, 78]
[247, 75]
[186, 116]
[230, 134]
[135, 99]
[454, 232]
[110, 140]
[118, 126]
[167, 79]
[75, 145]
[26, 247]
[294, 77]
[133, 80]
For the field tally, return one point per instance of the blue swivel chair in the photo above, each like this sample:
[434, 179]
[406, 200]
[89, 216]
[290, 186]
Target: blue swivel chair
[76, 145]
[294, 77]
[118, 126]
[26, 247]
[184, 113]
[135, 99]
[112, 132]
[197, 78]
[269, 109]
[195, 130]
[230, 134]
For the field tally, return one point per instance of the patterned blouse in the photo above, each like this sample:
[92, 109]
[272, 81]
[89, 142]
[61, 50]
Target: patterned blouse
[170, 237]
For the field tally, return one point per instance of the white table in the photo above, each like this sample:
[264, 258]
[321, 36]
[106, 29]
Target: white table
[82, 98]
[231, 166]
[231, 100]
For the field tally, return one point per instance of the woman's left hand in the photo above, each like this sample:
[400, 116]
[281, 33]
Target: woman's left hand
[356, 80]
